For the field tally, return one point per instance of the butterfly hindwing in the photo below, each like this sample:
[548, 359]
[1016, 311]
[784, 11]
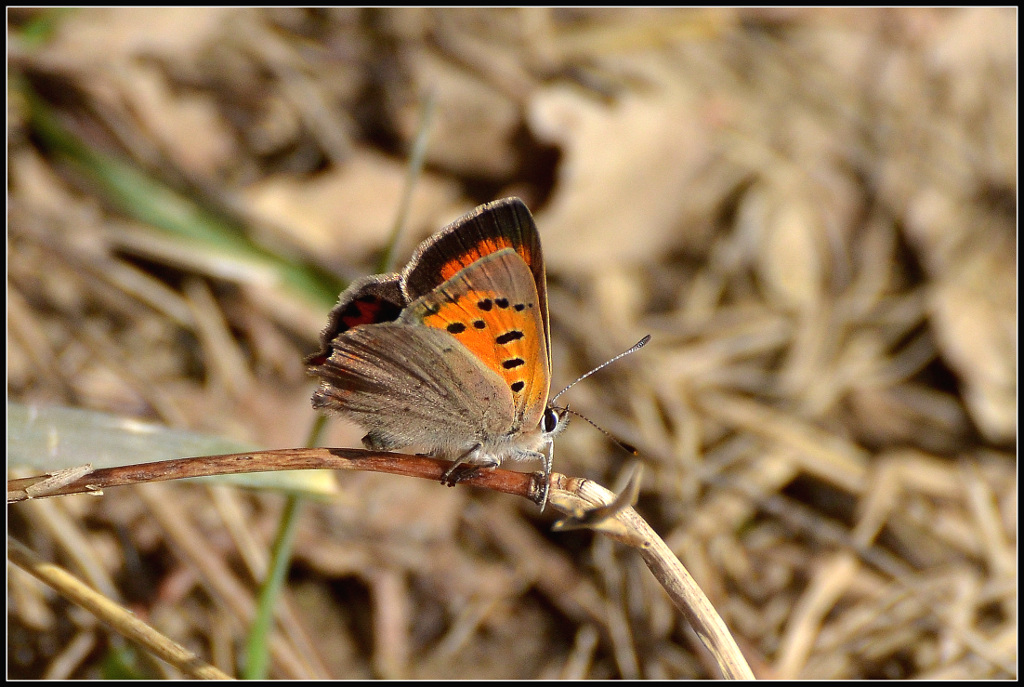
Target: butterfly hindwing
[370, 300]
[410, 385]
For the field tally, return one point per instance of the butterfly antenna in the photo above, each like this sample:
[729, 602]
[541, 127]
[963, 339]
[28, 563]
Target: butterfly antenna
[629, 448]
[636, 347]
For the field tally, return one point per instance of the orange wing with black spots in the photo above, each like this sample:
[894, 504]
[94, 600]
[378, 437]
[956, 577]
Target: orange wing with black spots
[488, 231]
[493, 308]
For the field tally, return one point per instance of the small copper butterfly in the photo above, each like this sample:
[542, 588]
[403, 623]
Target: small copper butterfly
[452, 356]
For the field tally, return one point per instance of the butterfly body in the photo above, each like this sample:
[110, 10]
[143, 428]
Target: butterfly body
[451, 356]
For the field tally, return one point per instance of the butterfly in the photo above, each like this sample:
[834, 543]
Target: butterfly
[452, 355]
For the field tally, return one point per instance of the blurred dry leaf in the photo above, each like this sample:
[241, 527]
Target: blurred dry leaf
[474, 126]
[973, 311]
[971, 258]
[111, 36]
[788, 245]
[625, 164]
[188, 127]
[345, 213]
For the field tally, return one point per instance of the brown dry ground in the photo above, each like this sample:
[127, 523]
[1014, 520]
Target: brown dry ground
[812, 212]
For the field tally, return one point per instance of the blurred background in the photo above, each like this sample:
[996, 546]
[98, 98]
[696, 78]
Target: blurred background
[813, 213]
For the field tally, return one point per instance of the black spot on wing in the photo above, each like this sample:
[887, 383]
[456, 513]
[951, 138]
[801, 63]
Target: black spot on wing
[509, 337]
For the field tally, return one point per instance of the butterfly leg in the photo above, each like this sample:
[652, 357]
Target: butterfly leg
[463, 469]
[546, 462]
[375, 443]
[546, 459]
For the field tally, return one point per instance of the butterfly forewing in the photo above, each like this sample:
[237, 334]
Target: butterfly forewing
[505, 223]
[492, 308]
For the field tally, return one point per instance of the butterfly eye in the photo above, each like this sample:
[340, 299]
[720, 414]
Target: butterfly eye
[551, 420]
